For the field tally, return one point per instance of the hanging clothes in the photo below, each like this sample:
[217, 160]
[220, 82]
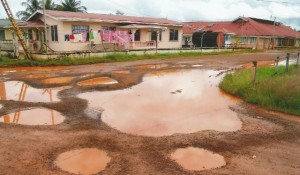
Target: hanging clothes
[84, 37]
[72, 38]
[92, 37]
[67, 37]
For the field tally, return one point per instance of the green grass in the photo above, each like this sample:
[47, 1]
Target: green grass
[279, 92]
[5, 61]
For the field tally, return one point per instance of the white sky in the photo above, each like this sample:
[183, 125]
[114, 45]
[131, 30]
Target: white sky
[193, 10]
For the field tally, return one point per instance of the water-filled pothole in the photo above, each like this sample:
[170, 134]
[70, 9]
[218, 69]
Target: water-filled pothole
[19, 91]
[98, 81]
[196, 159]
[34, 117]
[58, 81]
[168, 102]
[83, 161]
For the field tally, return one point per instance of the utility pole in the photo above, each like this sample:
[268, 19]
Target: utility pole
[45, 26]
[273, 40]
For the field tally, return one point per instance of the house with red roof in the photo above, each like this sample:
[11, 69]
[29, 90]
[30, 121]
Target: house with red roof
[241, 33]
[76, 32]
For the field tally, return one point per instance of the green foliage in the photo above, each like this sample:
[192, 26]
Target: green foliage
[113, 57]
[72, 6]
[275, 91]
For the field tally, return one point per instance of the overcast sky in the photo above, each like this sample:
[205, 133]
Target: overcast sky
[286, 11]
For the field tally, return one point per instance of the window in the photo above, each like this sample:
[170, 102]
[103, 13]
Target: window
[137, 35]
[80, 29]
[173, 35]
[2, 35]
[108, 28]
[37, 35]
[154, 35]
[54, 34]
[248, 40]
[30, 34]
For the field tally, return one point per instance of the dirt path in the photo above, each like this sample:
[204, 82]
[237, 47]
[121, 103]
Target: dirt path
[268, 143]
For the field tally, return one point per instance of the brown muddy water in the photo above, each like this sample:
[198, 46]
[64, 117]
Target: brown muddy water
[97, 81]
[197, 159]
[20, 91]
[58, 81]
[33, 117]
[83, 161]
[168, 102]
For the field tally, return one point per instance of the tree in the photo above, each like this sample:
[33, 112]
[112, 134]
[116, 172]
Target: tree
[33, 5]
[30, 7]
[72, 6]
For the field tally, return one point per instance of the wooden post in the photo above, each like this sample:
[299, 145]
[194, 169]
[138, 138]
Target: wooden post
[276, 64]
[287, 62]
[254, 71]
[298, 60]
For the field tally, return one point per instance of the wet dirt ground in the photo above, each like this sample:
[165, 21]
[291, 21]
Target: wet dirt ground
[267, 143]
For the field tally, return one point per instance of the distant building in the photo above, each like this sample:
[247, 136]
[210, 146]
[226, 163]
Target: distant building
[242, 33]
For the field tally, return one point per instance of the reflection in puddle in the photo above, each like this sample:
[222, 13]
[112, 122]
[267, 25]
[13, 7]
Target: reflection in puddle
[60, 80]
[34, 117]
[83, 161]
[151, 108]
[97, 81]
[36, 76]
[196, 159]
[19, 91]
[283, 62]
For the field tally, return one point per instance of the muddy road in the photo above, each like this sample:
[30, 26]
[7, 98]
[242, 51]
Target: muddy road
[98, 115]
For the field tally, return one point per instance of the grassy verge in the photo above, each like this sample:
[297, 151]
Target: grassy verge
[114, 57]
[279, 92]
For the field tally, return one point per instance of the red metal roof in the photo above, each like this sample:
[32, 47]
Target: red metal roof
[250, 27]
[78, 16]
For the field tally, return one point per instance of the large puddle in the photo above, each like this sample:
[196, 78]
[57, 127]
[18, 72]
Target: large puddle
[83, 161]
[98, 81]
[196, 159]
[34, 117]
[20, 91]
[168, 102]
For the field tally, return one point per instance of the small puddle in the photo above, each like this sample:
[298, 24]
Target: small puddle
[97, 81]
[19, 91]
[83, 161]
[196, 159]
[122, 72]
[154, 66]
[37, 76]
[168, 102]
[58, 81]
[34, 117]
[197, 65]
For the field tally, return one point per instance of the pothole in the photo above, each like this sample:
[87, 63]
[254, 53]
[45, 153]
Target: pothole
[168, 102]
[33, 117]
[20, 91]
[58, 81]
[83, 161]
[197, 159]
[98, 81]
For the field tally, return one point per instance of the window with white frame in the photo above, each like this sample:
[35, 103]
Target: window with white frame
[173, 35]
[54, 33]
